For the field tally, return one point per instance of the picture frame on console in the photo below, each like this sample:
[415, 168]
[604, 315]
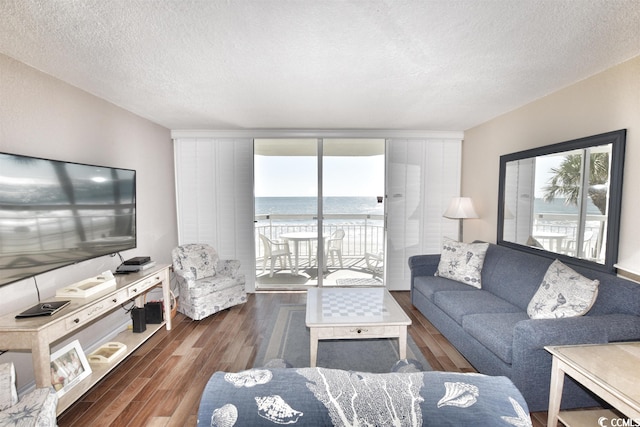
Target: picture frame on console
[69, 366]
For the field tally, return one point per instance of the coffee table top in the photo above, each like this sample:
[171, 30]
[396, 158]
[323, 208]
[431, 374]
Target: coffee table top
[330, 307]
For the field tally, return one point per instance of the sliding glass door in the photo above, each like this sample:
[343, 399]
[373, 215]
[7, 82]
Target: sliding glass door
[286, 213]
[319, 212]
[353, 211]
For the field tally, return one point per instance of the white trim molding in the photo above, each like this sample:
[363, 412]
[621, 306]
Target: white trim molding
[318, 133]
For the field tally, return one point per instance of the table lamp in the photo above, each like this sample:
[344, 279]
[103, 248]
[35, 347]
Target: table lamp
[460, 208]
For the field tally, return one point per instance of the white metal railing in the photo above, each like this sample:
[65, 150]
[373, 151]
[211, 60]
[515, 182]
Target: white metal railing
[363, 233]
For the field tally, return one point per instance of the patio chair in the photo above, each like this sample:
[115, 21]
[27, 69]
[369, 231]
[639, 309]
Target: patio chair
[275, 250]
[206, 284]
[35, 408]
[334, 246]
[375, 263]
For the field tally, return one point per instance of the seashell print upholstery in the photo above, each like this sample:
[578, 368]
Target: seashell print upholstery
[324, 397]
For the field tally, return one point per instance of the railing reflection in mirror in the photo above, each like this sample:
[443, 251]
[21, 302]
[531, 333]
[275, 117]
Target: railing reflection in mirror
[558, 233]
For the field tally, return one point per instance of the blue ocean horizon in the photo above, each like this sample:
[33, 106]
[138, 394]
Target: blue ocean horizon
[308, 206]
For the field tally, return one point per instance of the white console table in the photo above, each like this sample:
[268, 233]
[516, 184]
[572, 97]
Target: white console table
[38, 333]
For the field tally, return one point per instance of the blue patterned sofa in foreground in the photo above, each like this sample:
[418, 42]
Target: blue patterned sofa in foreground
[332, 397]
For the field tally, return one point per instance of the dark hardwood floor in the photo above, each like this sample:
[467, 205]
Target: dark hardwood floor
[160, 383]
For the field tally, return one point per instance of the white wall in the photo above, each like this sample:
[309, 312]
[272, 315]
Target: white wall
[44, 117]
[605, 102]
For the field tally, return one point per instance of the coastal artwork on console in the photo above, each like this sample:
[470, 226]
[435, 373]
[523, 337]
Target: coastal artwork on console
[69, 366]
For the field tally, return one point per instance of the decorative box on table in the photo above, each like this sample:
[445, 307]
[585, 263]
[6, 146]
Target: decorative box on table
[88, 287]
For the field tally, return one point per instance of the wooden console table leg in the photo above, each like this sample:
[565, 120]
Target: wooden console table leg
[555, 392]
[313, 347]
[166, 296]
[41, 355]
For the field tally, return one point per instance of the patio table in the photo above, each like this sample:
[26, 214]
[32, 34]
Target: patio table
[300, 236]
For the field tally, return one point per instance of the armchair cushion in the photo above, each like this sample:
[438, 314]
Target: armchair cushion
[199, 259]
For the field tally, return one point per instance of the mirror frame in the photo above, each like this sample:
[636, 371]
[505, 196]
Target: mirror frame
[618, 141]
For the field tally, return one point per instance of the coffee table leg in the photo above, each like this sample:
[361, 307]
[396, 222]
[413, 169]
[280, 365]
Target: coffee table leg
[555, 392]
[402, 342]
[313, 347]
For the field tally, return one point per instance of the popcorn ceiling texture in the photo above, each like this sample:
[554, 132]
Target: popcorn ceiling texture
[435, 65]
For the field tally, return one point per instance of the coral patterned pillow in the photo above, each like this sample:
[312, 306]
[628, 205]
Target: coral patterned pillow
[562, 293]
[462, 261]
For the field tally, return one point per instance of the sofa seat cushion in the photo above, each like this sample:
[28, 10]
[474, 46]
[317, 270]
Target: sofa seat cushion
[210, 285]
[429, 285]
[458, 304]
[494, 331]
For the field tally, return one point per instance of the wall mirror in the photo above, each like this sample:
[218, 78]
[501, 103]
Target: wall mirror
[563, 200]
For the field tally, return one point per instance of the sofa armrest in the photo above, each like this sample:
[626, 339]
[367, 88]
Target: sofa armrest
[424, 265]
[228, 267]
[531, 363]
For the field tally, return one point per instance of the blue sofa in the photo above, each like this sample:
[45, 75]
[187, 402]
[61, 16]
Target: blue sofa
[492, 330]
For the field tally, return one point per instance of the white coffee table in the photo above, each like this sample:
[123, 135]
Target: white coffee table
[354, 313]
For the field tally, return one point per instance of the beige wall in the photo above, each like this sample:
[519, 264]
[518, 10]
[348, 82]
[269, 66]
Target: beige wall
[44, 117]
[605, 102]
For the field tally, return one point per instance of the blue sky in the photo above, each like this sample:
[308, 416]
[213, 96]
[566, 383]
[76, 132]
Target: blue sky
[296, 176]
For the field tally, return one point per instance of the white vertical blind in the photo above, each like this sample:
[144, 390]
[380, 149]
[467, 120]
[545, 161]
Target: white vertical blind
[214, 186]
[422, 177]
[214, 194]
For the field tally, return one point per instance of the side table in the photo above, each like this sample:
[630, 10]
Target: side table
[608, 370]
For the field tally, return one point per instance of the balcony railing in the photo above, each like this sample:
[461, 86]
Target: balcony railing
[363, 233]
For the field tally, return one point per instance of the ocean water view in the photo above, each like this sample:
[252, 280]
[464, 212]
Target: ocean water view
[309, 206]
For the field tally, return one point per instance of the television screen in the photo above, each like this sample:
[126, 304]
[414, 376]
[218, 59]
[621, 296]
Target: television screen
[55, 213]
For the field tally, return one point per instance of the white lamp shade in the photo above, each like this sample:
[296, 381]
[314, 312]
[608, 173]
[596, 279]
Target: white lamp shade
[460, 208]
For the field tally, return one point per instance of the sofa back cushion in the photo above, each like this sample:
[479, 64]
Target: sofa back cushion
[513, 275]
[615, 294]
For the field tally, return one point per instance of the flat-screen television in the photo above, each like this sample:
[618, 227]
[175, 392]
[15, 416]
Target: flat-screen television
[55, 213]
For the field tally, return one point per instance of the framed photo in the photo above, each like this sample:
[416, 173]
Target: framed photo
[69, 366]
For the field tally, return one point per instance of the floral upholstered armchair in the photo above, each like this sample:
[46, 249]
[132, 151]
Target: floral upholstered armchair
[36, 408]
[206, 284]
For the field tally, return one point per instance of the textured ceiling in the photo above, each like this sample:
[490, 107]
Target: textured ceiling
[434, 65]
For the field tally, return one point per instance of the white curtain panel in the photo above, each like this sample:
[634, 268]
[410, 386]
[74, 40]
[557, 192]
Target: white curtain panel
[214, 195]
[422, 177]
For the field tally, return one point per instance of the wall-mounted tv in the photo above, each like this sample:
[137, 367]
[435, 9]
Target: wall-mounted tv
[55, 213]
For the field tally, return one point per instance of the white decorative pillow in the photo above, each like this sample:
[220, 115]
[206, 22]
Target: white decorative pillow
[462, 261]
[562, 293]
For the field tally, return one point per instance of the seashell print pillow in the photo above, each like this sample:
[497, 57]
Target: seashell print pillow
[462, 261]
[562, 293]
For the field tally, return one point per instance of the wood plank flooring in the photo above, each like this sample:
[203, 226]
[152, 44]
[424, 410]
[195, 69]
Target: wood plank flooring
[160, 383]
